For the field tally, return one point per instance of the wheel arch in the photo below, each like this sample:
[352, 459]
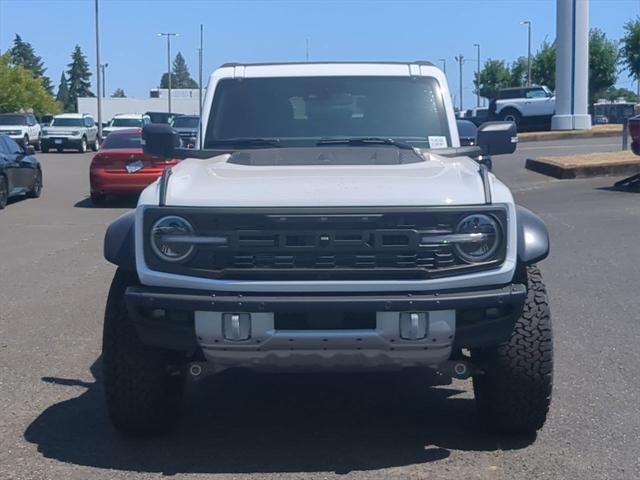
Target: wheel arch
[533, 237]
[119, 242]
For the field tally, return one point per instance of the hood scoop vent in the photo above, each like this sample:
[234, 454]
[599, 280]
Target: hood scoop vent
[324, 155]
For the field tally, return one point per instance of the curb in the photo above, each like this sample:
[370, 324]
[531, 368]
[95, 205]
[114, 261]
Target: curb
[563, 173]
[541, 136]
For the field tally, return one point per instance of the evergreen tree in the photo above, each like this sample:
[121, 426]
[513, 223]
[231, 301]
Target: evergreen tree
[78, 76]
[118, 93]
[23, 55]
[63, 92]
[180, 76]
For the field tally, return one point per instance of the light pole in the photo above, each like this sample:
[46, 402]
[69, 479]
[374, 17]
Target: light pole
[477, 45]
[99, 97]
[168, 35]
[104, 79]
[528, 24]
[444, 65]
[307, 49]
[460, 60]
[200, 86]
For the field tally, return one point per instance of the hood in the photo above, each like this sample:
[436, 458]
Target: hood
[323, 176]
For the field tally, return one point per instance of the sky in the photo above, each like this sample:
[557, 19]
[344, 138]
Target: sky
[270, 31]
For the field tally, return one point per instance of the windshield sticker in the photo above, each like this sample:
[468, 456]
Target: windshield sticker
[438, 142]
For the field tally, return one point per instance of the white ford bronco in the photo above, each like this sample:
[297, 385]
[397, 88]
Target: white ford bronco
[331, 222]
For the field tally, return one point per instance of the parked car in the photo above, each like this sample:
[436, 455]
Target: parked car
[332, 221]
[121, 167]
[20, 172]
[161, 117]
[525, 106]
[21, 127]
[122, 121]
[71, 130]
[600, 120]
[187, 128]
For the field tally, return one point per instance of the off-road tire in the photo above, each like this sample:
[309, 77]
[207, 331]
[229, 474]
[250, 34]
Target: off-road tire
[514, 392]
[25, 141]
[44, 149]
[513, 115]
[83, 145]
[4, 192]
[36, 190]
[95, 146]
[143, 392]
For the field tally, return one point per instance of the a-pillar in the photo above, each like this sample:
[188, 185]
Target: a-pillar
[572, 66]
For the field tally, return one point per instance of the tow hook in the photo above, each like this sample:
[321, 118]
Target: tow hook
[460, 369]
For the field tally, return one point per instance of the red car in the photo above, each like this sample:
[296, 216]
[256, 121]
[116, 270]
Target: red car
[121, 167]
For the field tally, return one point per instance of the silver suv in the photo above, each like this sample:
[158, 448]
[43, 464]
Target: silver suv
[77, 131]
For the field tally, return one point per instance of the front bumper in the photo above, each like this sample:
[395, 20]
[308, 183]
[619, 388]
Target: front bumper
[191, 321]
[61, 142]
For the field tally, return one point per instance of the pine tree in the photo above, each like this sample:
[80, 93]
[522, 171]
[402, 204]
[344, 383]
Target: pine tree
[118, 93]
[180, 76]
[78, 76]
[23, 55]
[63, 92]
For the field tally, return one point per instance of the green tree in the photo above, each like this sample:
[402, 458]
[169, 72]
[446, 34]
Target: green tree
[612, 94]
[630, 51]
[78, 76]
[493, 76]
[20, 91]
[603, 62]
[518, 72]
[180, 76]
[118, 93]
[543, 66]
[63, 91]
[23, 55]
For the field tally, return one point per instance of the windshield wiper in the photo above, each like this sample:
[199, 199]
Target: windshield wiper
[245, 142]
[364, 141]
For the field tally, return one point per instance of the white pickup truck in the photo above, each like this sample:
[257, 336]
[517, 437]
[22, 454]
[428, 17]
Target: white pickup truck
[331, 222]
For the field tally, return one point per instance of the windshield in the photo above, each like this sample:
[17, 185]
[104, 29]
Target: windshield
[129, 141]
[126, 122]
[12, 120]
[67, 122]
[186, 122]
[299, 111]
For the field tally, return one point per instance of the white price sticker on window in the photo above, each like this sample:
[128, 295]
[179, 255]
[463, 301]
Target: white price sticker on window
[438, 142]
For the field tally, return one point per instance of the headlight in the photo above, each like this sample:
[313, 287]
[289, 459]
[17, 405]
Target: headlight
[45, 133]
[75, 132]
[481, 238]
[170, 238]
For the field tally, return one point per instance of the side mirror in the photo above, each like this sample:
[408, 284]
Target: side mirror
[497, 138]
[160, 140]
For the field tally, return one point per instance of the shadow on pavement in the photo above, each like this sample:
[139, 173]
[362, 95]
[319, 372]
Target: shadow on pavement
[239, 422]
[128, 201]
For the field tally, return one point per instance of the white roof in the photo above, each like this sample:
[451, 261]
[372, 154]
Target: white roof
[72, 115]
[128, 115]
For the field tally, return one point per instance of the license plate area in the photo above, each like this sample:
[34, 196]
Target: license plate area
[310, 321]
[134, 166]
[58, 141]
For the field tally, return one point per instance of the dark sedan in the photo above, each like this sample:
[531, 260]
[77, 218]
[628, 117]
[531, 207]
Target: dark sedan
[20, 172]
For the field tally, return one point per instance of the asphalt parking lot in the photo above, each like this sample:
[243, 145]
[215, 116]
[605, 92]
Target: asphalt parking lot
[53, 286]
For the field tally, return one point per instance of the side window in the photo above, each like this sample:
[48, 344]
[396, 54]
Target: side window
[537, 93]
[88, 122]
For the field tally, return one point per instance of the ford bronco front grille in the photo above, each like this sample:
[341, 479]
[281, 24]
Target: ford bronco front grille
[332, 244]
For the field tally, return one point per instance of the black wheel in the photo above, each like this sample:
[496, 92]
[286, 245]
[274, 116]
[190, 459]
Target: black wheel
[25, 141]
[4, 192]
[98, 199]
[38, 145]
[95, 146]
[44, 148]
[83, 145]
[143, 389]
[36, 190]
[511, 115]
[514, 392]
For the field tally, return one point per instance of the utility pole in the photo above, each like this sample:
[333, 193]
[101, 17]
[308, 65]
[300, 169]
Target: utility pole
[200, 87]
[307, 49]
[169, 35]
[444, 65]
[477, 45]
[460, 60]
[99, 96]
[104, 79]
[528, 24]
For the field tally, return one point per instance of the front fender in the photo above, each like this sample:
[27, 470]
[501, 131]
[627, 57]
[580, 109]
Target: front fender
[119, 242]
[533, 237]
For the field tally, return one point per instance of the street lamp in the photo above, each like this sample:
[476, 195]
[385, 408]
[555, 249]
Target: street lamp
[169, 35]
[528, 24]
[477, 45]
[444, 65]
[104, 81]
[460, 60]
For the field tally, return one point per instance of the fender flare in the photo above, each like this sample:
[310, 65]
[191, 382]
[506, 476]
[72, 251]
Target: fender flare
[119, 242]
[533, 237]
